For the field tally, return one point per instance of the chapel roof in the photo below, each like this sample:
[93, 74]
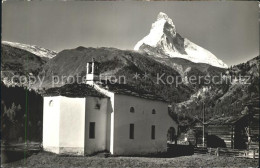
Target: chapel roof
[74, 90]
[125, 89]
[83, 90]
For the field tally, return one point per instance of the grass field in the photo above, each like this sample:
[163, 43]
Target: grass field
[44, 159]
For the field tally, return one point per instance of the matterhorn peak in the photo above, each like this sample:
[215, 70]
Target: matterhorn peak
[162, 15]
[164, 41]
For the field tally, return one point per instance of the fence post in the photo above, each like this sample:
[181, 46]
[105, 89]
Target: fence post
[253, 153]
[217, 152]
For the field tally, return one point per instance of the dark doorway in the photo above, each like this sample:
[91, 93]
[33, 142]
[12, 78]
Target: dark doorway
[171, 135]
[240, 138]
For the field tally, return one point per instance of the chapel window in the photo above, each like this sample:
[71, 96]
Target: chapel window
[132, 109]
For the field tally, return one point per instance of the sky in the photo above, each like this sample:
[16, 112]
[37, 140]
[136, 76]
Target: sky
[230, 30]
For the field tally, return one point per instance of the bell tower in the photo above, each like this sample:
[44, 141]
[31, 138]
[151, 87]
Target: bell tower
[92, 72]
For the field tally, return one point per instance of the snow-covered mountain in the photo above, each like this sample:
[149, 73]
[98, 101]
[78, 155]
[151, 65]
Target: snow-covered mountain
[39, 51]
[163, 41]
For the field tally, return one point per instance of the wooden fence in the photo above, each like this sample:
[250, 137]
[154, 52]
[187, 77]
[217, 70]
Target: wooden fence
[31, 146]
[251, 153]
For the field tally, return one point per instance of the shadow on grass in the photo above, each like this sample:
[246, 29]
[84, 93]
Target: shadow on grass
[172, 151]
[15, 152]
[8, 156]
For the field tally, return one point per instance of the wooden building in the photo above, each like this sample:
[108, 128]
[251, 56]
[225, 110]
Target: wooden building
[253, 130]
[228, 132]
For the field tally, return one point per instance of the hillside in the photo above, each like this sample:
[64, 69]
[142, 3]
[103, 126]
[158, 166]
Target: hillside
[72, 62]
[226, 99]
[115, 62]
[20, 61]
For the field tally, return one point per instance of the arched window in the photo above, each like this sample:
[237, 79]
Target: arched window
[51, 103]
[89, 67]
[132, 109]
[153, 111]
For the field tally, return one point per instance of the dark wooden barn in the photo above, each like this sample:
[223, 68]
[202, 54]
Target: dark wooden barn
[228, 132]
[235, 132]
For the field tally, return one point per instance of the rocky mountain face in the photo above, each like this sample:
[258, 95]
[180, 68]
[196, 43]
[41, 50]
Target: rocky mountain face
[163, 41]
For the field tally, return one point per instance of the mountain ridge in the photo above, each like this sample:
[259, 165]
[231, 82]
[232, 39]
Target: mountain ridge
[36, 50]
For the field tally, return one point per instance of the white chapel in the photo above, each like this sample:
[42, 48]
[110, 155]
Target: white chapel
[81, 119]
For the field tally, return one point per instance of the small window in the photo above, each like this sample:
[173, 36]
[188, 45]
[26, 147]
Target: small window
[153, 132]
[92, 130]
[97, 106]
[153, 111]
[90, 68]
[55, 79]
[51, 103]
[132, 109]
[132, 129]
